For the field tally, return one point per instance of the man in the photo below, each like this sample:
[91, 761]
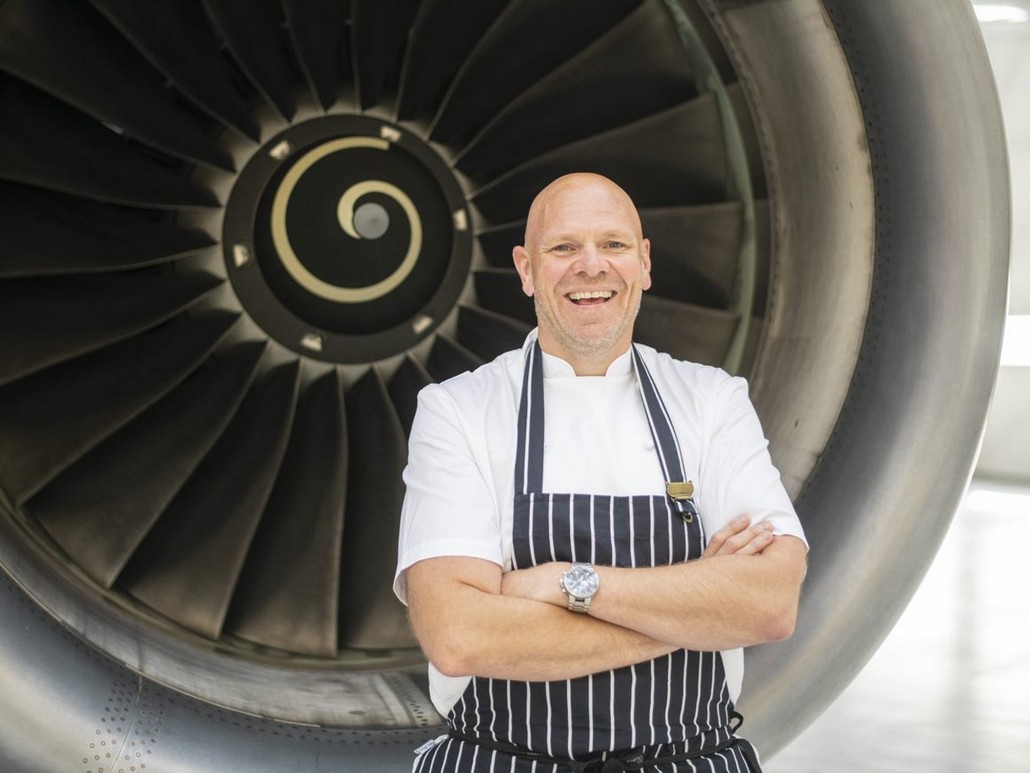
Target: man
[597, 627]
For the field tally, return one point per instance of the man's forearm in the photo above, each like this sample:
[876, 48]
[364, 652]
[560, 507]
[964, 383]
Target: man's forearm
[715, 603]
[470, 628]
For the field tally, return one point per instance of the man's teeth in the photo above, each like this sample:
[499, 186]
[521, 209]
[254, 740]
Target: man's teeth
[582, 296]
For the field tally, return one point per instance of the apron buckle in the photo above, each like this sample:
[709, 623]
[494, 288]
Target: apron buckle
[682, 492]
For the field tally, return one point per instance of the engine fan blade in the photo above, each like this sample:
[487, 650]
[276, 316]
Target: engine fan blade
[188, 565]
[49, 233]
[88, 509]
[52, 319]
[529, 39]
[319, 31]
[685, 331]
[253, 30]
[51, 418]
[500, 290]
[695, 251]
[370, 615]
[651, 158]
[443, 34]
[488, 334]
[162, 30]
[449, 358]
[498, 240]
[379, 31]
[538, 120]
[288, 593]
[70, 51]
[404, 386]
[51, 145]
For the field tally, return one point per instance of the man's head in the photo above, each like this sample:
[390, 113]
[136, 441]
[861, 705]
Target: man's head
[586, 264]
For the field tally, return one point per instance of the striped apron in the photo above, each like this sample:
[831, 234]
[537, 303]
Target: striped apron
[674, 706]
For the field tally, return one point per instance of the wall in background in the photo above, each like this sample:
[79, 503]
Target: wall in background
[1006, 447]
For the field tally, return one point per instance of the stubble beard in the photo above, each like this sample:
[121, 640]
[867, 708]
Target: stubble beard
[586, 346]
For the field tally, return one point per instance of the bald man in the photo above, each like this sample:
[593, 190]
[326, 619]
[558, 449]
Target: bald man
[583, 588]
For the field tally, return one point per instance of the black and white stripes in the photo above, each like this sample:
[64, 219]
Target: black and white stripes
[670, 705]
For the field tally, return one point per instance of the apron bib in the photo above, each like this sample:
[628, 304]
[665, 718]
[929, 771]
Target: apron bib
[672, 705]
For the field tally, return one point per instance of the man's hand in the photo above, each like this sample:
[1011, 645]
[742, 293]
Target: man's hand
[540, 583]
[740, 537]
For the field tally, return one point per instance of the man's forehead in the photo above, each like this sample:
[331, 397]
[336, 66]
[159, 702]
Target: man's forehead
[591, 230]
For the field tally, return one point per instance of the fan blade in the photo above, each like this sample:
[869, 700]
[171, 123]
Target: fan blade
[370, 614]
[188, 565]
[528, 40]
[596, 87]
[48, 233]
[497, 242]
[161, 31]
[46, 143]
[449, 358]
[488, 334]
[253, 30]
[319, 29]
[405, 384]
[379, 30]
[500, 290]
[654, 159]
[443, 34]
[70, 51]
[88, 509]
[49, 320]
[686, 332]
[51, 418]
[695, 252]
[288, 592]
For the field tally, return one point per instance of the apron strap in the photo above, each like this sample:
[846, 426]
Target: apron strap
[663, 433]
[529, 458]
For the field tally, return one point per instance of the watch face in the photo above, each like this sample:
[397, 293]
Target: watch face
[581, 581]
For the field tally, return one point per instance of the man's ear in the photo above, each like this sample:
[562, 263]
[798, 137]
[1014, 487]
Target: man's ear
[645, 259]
[521, 258]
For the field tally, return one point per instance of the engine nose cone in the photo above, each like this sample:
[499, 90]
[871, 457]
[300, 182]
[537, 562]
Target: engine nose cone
[371, 220]
[358, 231]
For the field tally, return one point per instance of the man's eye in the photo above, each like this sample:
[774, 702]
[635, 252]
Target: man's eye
[616, 245]
[562, 247]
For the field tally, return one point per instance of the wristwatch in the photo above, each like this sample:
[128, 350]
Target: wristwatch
[580, 582]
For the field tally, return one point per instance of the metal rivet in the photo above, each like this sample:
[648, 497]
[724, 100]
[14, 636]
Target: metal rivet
[461, 222]
[240, 254]
[312, 341]
[421, 323]
[281, 151]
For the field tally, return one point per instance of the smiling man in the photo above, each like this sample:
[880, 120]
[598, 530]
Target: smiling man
[583, 587]
[586, 265]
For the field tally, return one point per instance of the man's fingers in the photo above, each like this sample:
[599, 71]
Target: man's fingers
[758, 538]
[727, 532]
[740, 539]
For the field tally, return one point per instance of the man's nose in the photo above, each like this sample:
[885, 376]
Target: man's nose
[592, 261]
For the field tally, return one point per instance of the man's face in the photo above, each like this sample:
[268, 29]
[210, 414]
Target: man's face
[586, 265]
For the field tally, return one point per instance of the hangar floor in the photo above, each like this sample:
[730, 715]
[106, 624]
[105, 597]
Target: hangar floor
[949, 689]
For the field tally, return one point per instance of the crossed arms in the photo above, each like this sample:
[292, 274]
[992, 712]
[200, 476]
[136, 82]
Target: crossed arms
[473, 620]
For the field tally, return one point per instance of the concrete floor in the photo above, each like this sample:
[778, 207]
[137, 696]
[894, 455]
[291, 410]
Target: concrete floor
[949, 689]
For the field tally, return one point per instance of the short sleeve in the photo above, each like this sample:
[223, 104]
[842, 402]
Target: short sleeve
[738, 475]
[450, 506]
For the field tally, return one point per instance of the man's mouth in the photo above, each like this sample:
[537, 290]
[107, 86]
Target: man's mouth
[590, 297]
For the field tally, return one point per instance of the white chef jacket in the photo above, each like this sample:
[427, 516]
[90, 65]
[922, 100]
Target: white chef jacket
[461, 459]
